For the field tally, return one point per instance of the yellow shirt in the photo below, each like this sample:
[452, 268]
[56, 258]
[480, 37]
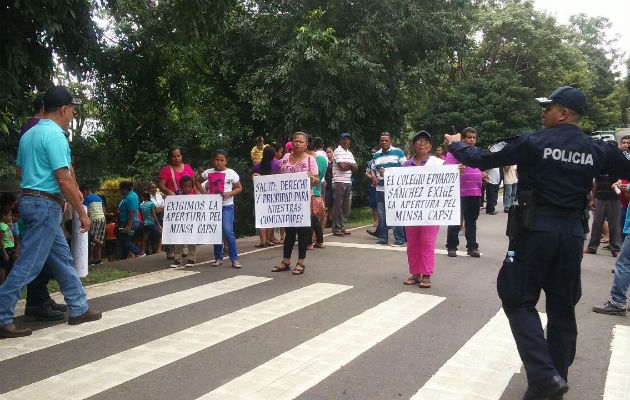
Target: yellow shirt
[257, 153]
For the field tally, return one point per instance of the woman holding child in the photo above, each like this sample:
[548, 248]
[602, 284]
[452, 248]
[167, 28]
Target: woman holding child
[168, 181]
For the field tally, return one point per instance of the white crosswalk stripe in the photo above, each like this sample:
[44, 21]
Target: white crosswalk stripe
[618, 376]
[482, 368]
[61, 333]
[121, 285]
[95, 377]
[292, 373]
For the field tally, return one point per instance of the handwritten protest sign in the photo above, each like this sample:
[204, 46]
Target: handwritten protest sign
[192, 219]
[282, 200]
[422, 195]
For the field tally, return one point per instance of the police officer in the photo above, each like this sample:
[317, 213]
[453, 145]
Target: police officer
[556, 168]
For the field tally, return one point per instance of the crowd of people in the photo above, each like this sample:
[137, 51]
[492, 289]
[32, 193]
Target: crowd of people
[548, 220]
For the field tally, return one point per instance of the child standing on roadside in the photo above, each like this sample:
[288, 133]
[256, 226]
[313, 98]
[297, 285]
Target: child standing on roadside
[224, 181]
[110, 237]
[7, 243]
[152, 228]
[187, 187]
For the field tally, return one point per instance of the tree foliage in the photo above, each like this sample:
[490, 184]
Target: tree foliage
[207, 74]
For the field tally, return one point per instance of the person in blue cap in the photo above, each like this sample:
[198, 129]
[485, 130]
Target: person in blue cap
[556, 168]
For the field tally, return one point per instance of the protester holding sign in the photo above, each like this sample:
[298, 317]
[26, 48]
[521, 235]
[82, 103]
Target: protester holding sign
[186, 188]
[168, 180]
[269, 165]
[224, 181]
[421, 239]
[297, 161]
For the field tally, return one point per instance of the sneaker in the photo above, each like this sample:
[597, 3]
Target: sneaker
[216, 263]
[190, 262]
[176, 263]
[237, 264]
[371, 232]
[474, 253]
[141, 254]
[382, 243]
[452, 253]
[609, 308]
[397, 244]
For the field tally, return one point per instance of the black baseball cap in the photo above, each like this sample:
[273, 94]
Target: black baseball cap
[421, 134]
[567, 96]
[58, 96]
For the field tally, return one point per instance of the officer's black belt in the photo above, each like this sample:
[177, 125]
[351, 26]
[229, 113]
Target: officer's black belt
[550, 211]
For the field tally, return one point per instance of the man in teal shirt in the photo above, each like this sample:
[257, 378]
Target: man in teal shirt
[47, 181]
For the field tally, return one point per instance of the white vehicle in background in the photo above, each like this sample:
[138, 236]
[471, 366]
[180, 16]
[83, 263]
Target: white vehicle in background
[604, 135]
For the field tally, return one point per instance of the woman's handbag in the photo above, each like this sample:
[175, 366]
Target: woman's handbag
[318, 208]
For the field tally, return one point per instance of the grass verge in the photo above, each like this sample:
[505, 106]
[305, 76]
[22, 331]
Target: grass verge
[360, 216]
[96, 275]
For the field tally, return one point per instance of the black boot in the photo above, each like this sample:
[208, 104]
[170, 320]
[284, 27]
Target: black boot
[42, 312]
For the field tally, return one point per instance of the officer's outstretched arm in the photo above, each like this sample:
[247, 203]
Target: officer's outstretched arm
[503, 153]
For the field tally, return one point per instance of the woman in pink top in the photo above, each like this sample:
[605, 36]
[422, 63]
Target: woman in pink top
[171, 174]
[168, 182]
[470, 196]
[297, 161]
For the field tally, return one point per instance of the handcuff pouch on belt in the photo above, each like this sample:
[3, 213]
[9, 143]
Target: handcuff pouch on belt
[520, 216]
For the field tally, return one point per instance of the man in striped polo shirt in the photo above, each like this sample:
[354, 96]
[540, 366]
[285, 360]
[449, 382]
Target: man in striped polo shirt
[388, 156]
[343, 167]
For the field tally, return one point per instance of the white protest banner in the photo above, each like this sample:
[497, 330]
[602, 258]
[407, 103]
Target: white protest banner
[80, 245]
[416, 196]
[193, 219]
[282, 200]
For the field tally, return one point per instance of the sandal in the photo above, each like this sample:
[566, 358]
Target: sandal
[276, 241]
[319, 246]
[425, 282]
[260, 245]
[286, 267]
[299, 269]
[236, 264]
[310, 247]
[412, 280]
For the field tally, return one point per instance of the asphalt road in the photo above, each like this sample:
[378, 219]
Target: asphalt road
[322, 335]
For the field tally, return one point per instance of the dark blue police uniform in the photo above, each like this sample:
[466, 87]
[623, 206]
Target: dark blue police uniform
[556, 167]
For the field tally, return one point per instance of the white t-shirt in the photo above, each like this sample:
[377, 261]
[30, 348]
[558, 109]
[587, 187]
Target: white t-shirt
[158, 200]
[341, 155]
[494, 176]
[218, 182]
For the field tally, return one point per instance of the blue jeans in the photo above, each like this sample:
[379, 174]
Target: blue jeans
[622, 275]
[622, 221]
[43, 242]
[509, 195]
[228, 234]
[382, 230]
[126, 241]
